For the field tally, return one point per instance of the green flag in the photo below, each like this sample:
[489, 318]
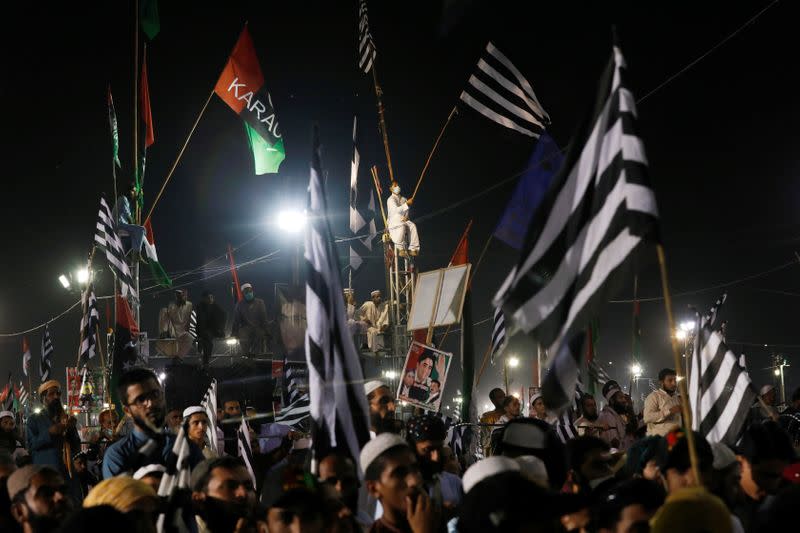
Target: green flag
[148, 18]
[267, 157]
[112, 122]
[159, 274]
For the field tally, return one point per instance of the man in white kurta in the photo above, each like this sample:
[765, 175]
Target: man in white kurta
[402, 231]
[375, 313]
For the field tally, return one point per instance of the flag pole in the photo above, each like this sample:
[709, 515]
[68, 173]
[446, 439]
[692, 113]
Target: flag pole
[453, 112]
[135, 161]
[177, 159]
[83, 305]
[382, 121]
[687, 417]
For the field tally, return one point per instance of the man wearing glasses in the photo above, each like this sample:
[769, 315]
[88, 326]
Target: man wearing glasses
[143, 401]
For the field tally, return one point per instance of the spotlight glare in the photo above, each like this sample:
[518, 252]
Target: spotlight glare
[64, 281]
[82, 275]
[291, 220]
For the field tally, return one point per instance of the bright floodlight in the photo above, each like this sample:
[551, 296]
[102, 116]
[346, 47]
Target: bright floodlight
[64, 281]
[82, 275]
[777, 372]
[232, 341]
[636, 370]
[513, 362]
[680, 334]
[687, 326]
[162, 376]
[515, 395]
[291, 220]
[390, 374]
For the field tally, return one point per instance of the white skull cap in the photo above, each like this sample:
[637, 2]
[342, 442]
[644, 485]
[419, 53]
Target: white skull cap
[486, 468]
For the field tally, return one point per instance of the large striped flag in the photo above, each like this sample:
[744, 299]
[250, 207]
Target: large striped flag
[175, 479]
[499, 91]
[90, 321]
[297, 410]
[360, 216]
[26, 356]
[720, 389]
[241, 86]
[46, 364]
[498, 334]
[598, 212]
[336, 381]
[366, 47]
[107, 239]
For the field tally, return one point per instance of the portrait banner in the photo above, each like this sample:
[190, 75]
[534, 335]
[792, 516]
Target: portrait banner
[424, 376]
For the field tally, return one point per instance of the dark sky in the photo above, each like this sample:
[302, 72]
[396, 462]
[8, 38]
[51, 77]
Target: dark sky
[721, 140]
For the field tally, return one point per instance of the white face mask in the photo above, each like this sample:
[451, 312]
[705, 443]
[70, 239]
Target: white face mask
[396, 190]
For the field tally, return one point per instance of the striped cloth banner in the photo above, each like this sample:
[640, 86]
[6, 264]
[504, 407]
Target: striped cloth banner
[336, 380]
[499, 91]
[598, 212]
[107, 239]
[366, 47]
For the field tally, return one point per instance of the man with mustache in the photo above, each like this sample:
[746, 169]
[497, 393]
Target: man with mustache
[52, 434]
[39, 498]
[143, 401]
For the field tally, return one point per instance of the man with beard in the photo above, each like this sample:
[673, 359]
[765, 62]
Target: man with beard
[611, 417]
[143, 401]
[425, 435]
[587, 423]
[662, 407]
[223, 494]
[52, 434]
[9, 440]
[381, 408]
[39, 498]
[339, 472]
[232, 411]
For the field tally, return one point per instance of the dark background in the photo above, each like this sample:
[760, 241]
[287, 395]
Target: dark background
[721, 140]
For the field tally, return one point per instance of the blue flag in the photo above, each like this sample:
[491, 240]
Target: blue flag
[544, 164]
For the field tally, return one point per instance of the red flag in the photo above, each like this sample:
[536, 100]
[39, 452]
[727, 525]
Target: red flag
[144, 97]
[235, 274]
[241, 79]
[125, 316]
[460, 256]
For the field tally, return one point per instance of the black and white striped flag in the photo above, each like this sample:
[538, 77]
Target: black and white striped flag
[175, 479]
[498, 334]
[565, 424]
[209, 404]
[597, 373]
[720, 389]
[107, 239]
[598, 212]
[89, 324]
[46, 362]
[296, 413]
[336, 381]
[23, 395]
[193, 325]
[500, 92]
[246, 450]
[360, 217]
[366, 47]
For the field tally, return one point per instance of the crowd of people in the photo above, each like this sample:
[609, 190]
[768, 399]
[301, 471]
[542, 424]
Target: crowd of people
[624, 473]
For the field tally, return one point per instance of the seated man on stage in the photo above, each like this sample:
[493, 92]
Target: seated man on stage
[402, 231]
[123, 216]
[375, 314]
[173, 323]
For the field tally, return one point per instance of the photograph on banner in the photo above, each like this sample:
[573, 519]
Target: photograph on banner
[424, 376]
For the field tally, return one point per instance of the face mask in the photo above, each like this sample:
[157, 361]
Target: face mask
[396, 190]
[249, 296]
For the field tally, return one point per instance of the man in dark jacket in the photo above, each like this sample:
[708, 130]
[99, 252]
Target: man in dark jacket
[210, 325]
[250, 323]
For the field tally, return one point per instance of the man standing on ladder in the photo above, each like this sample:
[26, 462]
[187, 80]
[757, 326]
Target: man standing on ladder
[397, 220]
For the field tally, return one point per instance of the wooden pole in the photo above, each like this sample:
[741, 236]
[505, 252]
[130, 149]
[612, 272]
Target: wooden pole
[135, 162]
[177, 159]
[377, 184]
[453, 112]
[687, 416]
[382, 122]
[483, 364]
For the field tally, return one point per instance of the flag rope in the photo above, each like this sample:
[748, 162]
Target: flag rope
[453, 112]
[177, 159]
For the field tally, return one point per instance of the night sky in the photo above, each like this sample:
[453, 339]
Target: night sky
[721, 140]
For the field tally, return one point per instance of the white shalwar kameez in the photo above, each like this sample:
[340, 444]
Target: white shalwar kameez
[399, 225]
